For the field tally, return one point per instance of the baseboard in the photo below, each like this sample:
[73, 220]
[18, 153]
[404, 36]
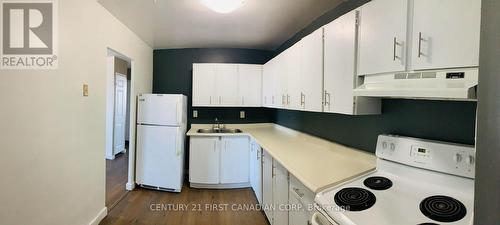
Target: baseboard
[130, 186]
[220, 186]
[99, 217]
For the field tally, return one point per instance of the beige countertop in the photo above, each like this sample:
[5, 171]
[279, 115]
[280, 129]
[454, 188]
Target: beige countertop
[317, 163]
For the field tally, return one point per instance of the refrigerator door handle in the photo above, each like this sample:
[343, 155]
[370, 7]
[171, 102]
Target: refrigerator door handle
[178, 144]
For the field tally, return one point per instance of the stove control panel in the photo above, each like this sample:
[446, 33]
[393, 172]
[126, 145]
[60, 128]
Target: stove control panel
[439, 156]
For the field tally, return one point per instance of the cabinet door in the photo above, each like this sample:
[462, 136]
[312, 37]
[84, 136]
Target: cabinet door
[227, 85]
[266, 85]
[298, 217]
[204, 160]
[250, 85]
[256, 170]
[311, 77]
[203, 84]
[280, 193]
[258, 174]
[340, 48]
[281, 77]
[445, 34]
[267, 183]
[382, 36]
[234, 156]
[292, 80]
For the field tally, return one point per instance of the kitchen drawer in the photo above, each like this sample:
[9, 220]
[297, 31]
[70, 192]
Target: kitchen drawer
[298, 189]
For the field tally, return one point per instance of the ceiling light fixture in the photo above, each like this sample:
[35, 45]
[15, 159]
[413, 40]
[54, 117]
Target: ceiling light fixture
[223, 6]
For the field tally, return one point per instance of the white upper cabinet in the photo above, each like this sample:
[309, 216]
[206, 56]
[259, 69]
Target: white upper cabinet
[311, 75]
[267, 85]
[281, 79]
[292, 81]
[203, 84]
[445, 34]
[250, 85]
[382, 36]
[228, 85]
[339, 70]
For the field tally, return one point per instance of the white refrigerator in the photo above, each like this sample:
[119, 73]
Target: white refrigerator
[161, 129]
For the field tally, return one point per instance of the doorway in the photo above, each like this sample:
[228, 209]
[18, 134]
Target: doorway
[117, 126]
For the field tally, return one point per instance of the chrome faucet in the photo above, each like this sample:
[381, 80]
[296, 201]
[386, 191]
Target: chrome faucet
[217, 125]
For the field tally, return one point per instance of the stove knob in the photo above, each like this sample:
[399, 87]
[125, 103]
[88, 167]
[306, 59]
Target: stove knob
[384, 145]
[470, 160]
[393, 147]
[457, 158]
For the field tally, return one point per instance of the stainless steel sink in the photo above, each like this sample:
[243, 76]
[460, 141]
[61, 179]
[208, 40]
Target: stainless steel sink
[232, 131]
[222, 131]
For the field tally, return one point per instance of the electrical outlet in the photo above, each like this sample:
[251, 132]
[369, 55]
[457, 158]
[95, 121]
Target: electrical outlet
[195, 113]
[242, 114]
[85, 90]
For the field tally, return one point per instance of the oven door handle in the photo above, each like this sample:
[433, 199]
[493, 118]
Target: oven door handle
[318, 219]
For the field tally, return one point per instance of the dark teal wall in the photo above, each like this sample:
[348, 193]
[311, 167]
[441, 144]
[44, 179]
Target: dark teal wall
[438, 120]
[173, 73]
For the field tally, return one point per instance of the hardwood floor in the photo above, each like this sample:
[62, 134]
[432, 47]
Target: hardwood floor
[190, 207]
[116, 179]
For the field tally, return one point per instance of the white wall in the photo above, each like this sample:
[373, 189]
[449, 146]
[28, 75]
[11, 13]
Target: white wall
[52, 140]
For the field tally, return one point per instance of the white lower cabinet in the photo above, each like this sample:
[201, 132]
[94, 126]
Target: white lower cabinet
[274, 190]
[204, 160]
[219, 160]
[256, 170]
[267, 184]
[300, 196]
[234, 160]
[280, 194]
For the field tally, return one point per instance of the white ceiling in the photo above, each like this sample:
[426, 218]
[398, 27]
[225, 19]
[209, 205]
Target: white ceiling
[258, 24]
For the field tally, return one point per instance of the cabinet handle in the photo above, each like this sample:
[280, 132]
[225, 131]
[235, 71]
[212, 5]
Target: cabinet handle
[220, 100]
[394, 49]
[301, 99]
[288, 100]
[242, 100]
[265, 99]
[215, 146]
[327, 99]
[273, 100]
[297, 191]
[419, 44]
[210, 100]
[283, 100]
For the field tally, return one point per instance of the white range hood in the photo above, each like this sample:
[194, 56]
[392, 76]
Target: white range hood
[456, 84]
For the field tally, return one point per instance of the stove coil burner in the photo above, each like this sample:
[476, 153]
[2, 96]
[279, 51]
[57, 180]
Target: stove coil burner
[378, 183]
[443, 208]
[355, 199]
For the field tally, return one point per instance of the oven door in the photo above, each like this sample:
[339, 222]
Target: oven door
[319, 219]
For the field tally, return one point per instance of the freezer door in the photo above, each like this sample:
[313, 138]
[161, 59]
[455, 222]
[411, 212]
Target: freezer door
[160, 156]
[161, 109]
